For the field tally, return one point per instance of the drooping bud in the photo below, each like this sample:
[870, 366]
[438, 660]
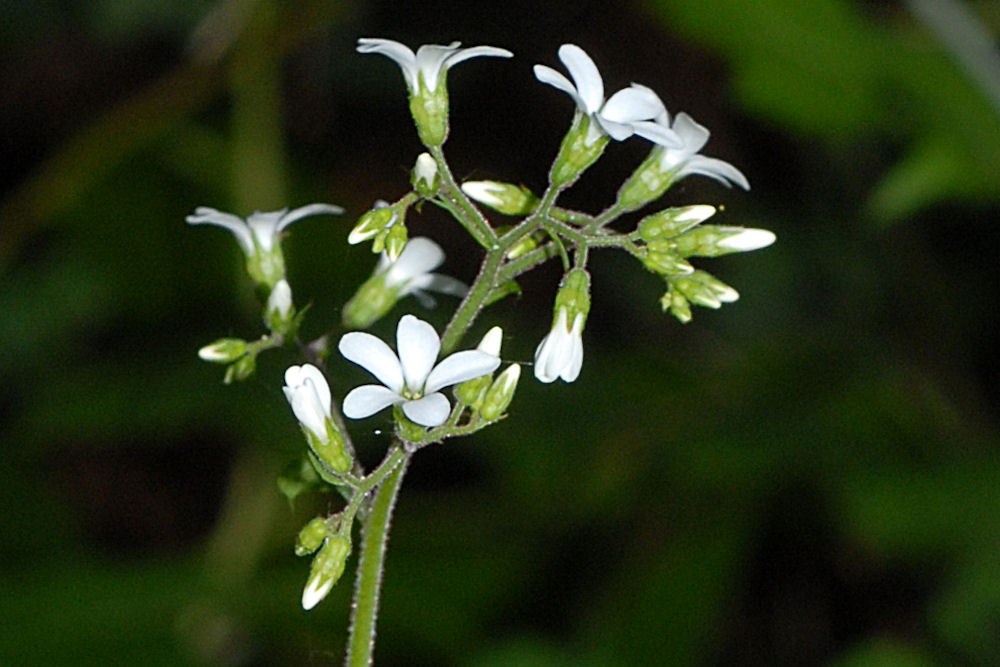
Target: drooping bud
[704, 289]
[662, 258]
[505, 198]
[560, 354]
[500, 393]
[327, 567]
[311, 536]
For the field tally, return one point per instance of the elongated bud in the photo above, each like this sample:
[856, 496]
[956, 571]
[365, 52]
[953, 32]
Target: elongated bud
[678, 306]
[311, 536]
[704, 289]
[506, 198]
[500, 393]
[672, 222]
[224, 350]
[425, 177]
[715, 240]
[327, 567]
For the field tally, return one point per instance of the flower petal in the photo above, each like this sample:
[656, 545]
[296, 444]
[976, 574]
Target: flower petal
[436, 282]
[714, 168]
[421, 255]
[632, 104]
[431, 410]
[204, 215]
[305, 211]
[418, 345]
[693, 134]
[400, 53]
[429, 60]
[374, 356]
[476, 52]
[459, 367]
[657, 133]
[589, 85]
[296, 375]
[557, 80]
[366, 400]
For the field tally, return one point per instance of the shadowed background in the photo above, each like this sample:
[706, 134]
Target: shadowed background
[807, 476]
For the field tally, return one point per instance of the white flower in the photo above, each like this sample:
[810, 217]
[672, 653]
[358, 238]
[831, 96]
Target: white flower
[684, 159]
[309, 395]
[748, 239]
[560, 354]
[429, 60]
[259, 230]
[629, 111]
[411, 272]
[410, 379]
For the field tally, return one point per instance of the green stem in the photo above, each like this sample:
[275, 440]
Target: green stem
[474, 300]
[460, 206]
[371, 560]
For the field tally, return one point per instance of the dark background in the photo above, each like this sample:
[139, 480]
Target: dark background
[807, 476]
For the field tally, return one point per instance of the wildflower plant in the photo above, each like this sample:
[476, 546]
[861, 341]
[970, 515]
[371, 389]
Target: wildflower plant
[413, 378]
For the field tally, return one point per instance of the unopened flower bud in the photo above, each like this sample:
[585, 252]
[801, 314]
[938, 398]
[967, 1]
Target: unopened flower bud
[663, 259]
[372, 222]
[673, 221]
[395, 241]
[705, 289]
[224, 350]
[241, 369]
[678, 306]
[715, 240]
[560, 354]
[278, 313]
[506, 198]
[311, 536]
[500, 393]
[327, 567]
[309, 396]
[425, 177]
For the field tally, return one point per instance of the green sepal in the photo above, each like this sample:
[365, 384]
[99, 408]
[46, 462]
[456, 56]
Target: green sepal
[242, 368]
[311, 537]
[430, 111]
[646, 184]
[575, 155]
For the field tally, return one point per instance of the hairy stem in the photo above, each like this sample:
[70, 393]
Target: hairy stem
[371, 560]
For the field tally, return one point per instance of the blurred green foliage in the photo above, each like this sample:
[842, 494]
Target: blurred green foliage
[808, 476]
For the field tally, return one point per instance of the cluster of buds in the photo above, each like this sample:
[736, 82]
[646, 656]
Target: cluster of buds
[675, 234]
[486, 396]
[385, 225]
[331, 549]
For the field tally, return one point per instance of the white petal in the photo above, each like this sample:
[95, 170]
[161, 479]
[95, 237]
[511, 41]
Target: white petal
[571, 370]
[305, 211]
[617, 131]
[436, 282]
[204, 215]
[459, 367]
[430, 58]
[589, 85]
[490, 344]
[484, 191]
[316, 589]
[557, 80]
[418, 345]
[366, 400]
[657, 133]
[297, 375]
[714, 168]
[554, 353]
[693, 134]
[632, 104]
[748, 239]
[420, 256]
[431, 410]
[374, 356]
[400, 53]
[476, 52]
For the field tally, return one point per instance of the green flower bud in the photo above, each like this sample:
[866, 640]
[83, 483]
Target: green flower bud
[224, 350]
[425, 177]
[661, 258]
[278, 312]
[395, 241]
[506, 198]
[241, 369]
[715, 240]
[331, 451]
[672, 222]
[500, 393]
[311, 536]
[575, 153]
[372, 222]
[327, 567]
[677, 305]
[704, 289]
